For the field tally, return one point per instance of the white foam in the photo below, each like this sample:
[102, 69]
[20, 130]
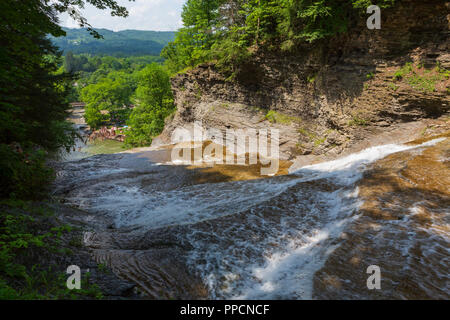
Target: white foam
[186, 205]
[287, 273]
[356, 161]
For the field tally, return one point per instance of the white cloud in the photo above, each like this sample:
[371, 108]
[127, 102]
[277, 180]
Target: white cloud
[158, 15]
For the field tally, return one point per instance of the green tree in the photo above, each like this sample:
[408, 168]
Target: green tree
[33, 100]
[33, 112]
[263, 18]
[193, 42]
[111, 94]
[154, 102]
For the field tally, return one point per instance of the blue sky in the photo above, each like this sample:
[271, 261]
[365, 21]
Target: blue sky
[158, 15]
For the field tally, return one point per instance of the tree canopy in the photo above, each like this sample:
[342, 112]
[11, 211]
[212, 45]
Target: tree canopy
[33, 103]
[224, 30]
[154, 102]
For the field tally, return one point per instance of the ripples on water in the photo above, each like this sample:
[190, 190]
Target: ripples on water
[273, 238]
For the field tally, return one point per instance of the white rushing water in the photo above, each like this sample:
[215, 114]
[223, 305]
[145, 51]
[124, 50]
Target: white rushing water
[259, 239]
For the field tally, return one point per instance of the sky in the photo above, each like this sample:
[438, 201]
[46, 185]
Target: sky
[157, 15]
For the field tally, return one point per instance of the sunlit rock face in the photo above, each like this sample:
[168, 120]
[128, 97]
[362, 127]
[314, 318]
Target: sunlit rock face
[331, 96]
[224, 232]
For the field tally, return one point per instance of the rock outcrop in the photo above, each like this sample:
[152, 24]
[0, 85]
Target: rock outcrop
[328, 98]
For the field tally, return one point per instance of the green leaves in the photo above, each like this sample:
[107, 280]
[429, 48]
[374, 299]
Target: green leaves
[192, 44]
[154, 87]
[223, 31]
[23, 172]
[363, 4]
[154, 102]
[34, 93]
[111, 94]
[27, 239]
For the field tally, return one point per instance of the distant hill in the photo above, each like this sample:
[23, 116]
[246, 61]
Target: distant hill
[121, 43]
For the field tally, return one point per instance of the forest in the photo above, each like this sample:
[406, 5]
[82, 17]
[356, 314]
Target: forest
[122, 91]
[114, 90]
[119, 44]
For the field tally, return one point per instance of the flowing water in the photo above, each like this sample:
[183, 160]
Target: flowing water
[186, 232]
[84, 148]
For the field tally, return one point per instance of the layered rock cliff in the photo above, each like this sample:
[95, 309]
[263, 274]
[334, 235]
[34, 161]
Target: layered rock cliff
[334, 96]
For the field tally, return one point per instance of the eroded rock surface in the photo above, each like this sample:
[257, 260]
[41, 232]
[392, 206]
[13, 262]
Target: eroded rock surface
[333, 96]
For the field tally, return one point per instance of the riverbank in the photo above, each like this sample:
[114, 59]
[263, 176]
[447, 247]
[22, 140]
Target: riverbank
[90, 143]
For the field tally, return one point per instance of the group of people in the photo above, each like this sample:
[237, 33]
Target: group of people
[113, 133]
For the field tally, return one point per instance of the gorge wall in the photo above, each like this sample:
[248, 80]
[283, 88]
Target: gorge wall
[361, 88]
